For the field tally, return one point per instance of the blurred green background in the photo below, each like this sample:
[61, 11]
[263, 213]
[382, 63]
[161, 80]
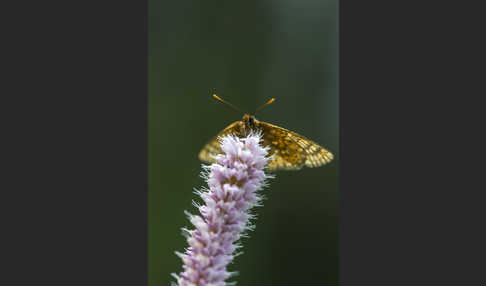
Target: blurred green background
[249, 51]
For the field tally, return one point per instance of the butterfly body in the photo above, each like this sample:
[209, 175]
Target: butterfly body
[288, 150]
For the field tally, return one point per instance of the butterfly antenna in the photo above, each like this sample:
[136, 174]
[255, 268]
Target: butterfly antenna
[268, 103]
[225, 102]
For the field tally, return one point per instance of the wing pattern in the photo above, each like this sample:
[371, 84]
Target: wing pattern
[289, 150]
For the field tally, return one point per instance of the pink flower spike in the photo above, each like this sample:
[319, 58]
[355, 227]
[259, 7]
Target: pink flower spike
[234, 181]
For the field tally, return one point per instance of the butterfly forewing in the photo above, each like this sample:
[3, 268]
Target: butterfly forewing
[213, 148]
[290, 150]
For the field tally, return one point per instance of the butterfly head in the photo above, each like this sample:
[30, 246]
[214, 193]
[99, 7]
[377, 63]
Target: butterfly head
[250, 122]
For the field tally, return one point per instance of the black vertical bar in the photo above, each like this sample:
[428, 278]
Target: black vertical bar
[77, 135]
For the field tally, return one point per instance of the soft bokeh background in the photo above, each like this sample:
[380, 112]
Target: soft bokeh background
[249, 51]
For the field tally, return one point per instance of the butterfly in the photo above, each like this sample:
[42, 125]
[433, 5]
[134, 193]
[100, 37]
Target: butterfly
[287, 150]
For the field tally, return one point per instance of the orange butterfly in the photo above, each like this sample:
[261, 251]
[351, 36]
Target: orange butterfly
[290, 150]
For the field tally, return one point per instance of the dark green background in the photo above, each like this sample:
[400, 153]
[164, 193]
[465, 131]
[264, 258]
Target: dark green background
[249, 51]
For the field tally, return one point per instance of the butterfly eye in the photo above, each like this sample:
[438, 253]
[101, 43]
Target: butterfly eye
[251, 120]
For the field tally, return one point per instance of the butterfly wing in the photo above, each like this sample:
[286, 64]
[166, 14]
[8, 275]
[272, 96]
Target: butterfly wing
[213, 148]
[290, 150]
